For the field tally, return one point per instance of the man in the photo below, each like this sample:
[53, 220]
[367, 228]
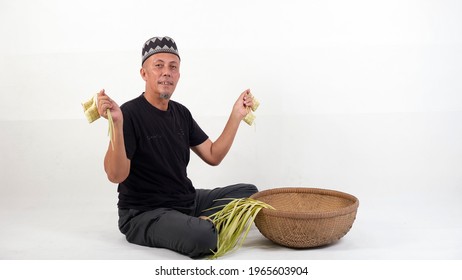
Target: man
[158, 204]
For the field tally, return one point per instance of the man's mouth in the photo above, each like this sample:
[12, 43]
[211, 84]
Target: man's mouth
[166, 83]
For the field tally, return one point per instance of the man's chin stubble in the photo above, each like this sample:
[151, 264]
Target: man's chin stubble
[165, 96]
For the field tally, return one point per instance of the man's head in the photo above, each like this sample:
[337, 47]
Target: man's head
[160, 67]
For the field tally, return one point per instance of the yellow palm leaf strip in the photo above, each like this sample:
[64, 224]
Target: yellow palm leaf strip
[111, 128]
[233, 223]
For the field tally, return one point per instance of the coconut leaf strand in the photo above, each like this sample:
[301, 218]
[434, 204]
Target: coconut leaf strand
[233, 223]
[111, 128]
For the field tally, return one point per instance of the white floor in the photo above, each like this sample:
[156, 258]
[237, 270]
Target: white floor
[55, 203]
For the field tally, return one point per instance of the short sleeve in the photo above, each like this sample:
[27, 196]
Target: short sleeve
[197, 136]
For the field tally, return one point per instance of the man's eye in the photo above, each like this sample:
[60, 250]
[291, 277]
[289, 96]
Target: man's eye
[159, 65]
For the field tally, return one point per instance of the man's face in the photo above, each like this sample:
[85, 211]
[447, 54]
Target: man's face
[161, 72]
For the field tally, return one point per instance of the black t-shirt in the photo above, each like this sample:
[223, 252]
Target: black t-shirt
[158, 145]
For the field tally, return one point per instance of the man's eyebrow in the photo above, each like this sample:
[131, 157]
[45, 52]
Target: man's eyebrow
[163, 61]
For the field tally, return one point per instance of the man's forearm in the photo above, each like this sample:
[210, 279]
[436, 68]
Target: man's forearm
[116, 163]
[222, 145]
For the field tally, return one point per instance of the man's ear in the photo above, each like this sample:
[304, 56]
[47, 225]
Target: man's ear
[143, 73]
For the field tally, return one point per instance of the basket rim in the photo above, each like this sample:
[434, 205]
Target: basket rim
[308, 215]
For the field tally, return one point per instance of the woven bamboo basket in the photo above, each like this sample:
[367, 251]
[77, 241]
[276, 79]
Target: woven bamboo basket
[305, 217]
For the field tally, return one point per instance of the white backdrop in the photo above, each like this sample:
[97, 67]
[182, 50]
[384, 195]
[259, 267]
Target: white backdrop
[299, 57]
[359, 96]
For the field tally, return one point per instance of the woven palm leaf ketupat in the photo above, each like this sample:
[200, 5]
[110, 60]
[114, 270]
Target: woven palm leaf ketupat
[305, 217]
[90, 109]
[250, 117]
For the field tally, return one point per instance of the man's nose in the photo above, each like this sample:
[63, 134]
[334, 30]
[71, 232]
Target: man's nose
[167, 72]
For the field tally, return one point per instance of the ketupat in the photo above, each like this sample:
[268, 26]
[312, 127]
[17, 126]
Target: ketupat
[250, 117]
[90, 109]
[231, 221]
[256, 103]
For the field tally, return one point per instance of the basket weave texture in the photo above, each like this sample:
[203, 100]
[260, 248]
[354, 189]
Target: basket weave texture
[305, 217]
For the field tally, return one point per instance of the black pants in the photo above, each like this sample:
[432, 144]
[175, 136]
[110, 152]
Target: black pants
[183, 233]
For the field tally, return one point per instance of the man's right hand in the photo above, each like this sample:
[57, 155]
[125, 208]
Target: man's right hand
[104, 103]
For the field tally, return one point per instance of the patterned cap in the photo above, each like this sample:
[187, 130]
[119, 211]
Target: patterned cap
[158, 45]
